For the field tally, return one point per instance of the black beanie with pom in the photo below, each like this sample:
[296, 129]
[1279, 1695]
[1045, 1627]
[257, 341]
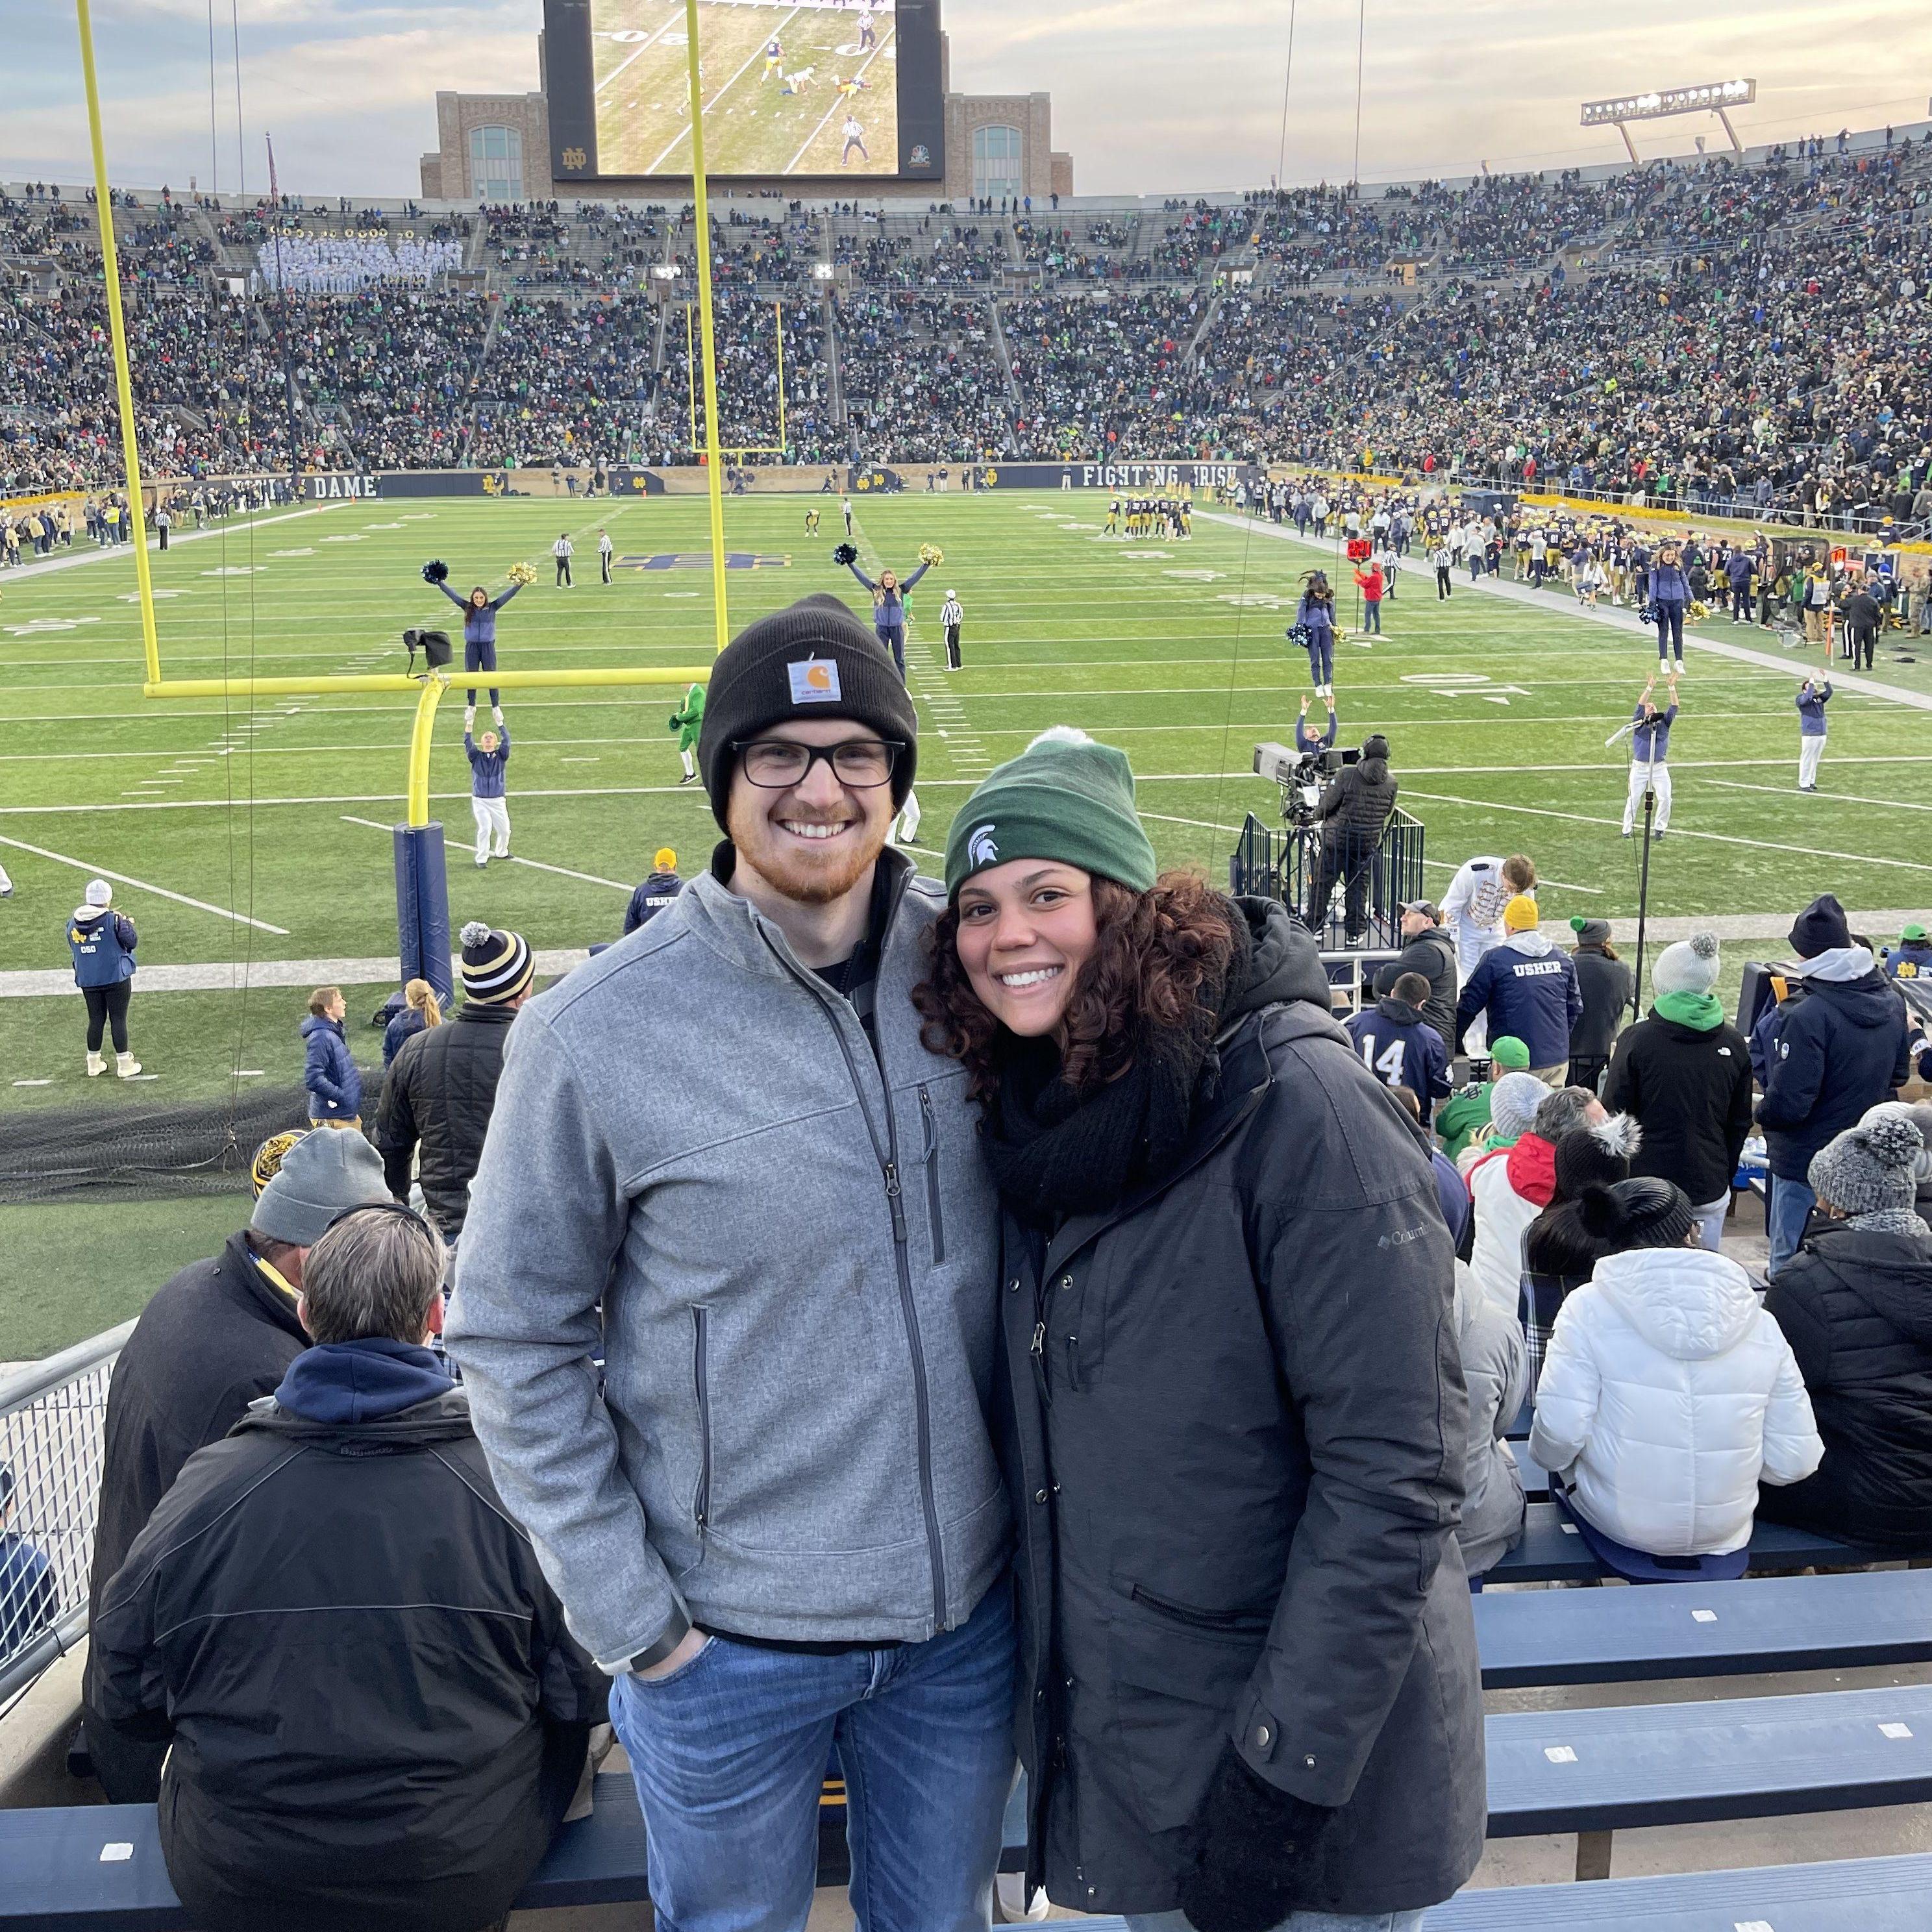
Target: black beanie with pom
[1639, 1212]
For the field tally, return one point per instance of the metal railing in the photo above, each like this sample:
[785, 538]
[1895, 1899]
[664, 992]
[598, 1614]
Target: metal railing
[52, 1430]
[1392, 869]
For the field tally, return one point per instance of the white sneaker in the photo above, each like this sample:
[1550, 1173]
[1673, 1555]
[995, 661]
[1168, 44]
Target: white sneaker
[497, 713]
[482, 860]
[95, 1065]
[126, 1065]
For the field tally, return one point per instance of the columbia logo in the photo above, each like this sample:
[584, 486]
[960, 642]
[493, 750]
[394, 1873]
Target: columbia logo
[980, 848]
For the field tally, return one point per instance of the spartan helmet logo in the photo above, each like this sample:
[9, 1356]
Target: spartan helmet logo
[980, 849]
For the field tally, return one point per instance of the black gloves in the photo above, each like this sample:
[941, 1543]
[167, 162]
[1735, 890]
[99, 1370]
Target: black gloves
[1249, 1851]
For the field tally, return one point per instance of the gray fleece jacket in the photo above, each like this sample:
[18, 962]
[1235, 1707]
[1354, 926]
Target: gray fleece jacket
[796, 1262]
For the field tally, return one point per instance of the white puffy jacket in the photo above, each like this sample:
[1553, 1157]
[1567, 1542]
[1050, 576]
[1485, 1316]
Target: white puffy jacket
[1667, 1393]
[1503, 1217]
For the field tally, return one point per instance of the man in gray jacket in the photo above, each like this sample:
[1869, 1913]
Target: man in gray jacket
[776, 1520]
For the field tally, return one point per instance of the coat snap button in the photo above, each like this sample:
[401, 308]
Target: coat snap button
[1013, 1286]
[1309, 1762]
[1039, 1495]
[1263, 1736]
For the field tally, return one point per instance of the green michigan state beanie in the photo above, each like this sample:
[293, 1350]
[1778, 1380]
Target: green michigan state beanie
[1064, 798]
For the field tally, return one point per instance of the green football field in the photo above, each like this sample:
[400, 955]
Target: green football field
[760, 117]
[245, 836]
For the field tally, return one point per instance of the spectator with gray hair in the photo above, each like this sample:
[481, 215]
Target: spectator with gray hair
[217, 1336]
[1511, 1187]
[278, 1621]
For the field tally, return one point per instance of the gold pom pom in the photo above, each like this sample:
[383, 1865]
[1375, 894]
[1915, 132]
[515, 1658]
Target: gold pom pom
[931, 553]
[522, 573]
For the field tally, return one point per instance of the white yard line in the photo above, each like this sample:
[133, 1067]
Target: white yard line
[226, 976]
[142, 885]
[510, 859]
[1715, 838]
[1825, 797]
[758, 54]
[834, 108]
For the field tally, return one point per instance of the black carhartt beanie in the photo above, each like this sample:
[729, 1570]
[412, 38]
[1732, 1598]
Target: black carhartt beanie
[812, 659]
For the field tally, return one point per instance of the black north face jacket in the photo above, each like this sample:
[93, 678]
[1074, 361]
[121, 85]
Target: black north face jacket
[440, 1091]
[1235, 1430]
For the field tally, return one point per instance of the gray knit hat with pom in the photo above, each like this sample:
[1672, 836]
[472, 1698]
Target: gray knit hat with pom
[1870, 1168]
[1690, 966]
[1513, 1101]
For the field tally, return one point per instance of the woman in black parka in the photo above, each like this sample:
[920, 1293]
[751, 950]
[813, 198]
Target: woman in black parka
[1231, 1409]
[1855, 1304]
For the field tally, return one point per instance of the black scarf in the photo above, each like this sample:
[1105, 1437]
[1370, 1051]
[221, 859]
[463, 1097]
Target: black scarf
[1054, 1152]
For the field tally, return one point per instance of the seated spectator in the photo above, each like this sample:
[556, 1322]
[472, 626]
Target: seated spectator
[421, 1008]
[1510, 1186]
[375, 1717]
[656, 892]
[1525, 988]
[1855, 1303]
[217, 1336]
[1685, 1073]
[1466, 1114]
[1840, 1050]
[1603, 985]
[28, 1596]
[1667, 1392]
[1490, 1341]
[1398, 1046]
[439, 1094]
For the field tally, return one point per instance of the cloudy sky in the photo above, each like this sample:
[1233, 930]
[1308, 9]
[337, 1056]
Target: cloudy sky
[1148, 95]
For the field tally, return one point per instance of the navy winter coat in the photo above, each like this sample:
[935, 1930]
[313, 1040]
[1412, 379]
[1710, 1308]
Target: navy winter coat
[1528, 989]
[333, 1082]
[1841, 1050]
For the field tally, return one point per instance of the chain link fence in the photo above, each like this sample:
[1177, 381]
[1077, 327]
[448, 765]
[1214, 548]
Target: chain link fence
[51, 1420]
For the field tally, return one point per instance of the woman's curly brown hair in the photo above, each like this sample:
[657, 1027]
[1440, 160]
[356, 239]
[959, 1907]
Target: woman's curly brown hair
[1153, 952]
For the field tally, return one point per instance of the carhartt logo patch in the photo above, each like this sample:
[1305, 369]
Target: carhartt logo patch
[980, 848]
[814, 682]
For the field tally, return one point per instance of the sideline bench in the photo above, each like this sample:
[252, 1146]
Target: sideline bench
[1590, 1771]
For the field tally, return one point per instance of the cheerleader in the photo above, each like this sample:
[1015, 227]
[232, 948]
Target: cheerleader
[1315, 621]
[479, 611]
[888, 594]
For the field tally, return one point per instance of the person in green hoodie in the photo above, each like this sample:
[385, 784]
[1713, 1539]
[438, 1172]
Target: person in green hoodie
[1464, 1114]
[1683, 1073]
[688, 723]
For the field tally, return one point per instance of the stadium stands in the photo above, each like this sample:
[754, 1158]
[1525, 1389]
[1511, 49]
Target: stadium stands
[1312, 326]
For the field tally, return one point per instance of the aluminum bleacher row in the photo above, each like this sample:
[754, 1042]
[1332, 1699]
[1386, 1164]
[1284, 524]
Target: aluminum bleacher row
[1592, 1771]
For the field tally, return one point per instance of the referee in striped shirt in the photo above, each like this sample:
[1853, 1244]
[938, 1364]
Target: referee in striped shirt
[951, 617]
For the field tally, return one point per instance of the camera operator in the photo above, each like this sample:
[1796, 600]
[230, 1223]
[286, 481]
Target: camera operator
[1353, 813]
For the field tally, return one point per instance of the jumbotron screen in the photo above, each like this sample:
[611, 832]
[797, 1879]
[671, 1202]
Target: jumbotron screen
[831, 90]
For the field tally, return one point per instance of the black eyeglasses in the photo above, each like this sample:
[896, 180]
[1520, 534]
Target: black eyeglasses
[775, 764]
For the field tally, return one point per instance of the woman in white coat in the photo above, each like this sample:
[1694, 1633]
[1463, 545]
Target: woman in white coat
[1667, 1393]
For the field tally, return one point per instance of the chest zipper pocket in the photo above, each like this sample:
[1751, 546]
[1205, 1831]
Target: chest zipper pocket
[928, 1123]
[701, 1506]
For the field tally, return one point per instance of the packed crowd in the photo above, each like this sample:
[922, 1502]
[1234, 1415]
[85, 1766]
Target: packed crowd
[1721, 336]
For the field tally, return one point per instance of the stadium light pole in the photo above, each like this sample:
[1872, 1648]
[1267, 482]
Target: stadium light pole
[117, 323]
[712, 458]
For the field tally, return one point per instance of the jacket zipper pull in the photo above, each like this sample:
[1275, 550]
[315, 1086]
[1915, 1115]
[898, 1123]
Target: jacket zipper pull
[894, 1200]
[1039, 1341]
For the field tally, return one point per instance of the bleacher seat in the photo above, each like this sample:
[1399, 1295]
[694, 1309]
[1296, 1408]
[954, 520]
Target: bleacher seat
[1552, 1552]
[1853, 1895]
[1692, 1629]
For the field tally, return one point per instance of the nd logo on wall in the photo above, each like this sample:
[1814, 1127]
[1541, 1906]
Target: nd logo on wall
[701, 559]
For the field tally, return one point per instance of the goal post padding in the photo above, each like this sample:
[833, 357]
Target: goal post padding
[422, 906]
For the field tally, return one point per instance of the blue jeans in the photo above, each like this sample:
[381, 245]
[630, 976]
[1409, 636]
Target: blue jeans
[1786, 1213]
[1371, 615]
[729, 1753]
[1295, 1921]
